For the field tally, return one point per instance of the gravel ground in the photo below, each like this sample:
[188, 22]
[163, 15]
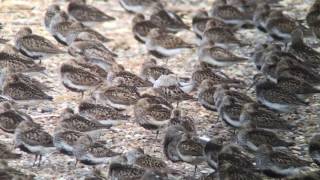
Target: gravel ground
[18, 13]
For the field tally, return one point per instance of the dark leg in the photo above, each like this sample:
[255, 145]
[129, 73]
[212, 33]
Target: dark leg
[39, 163]
[35, 160]
[195, 171]
[82, 94]
[177, 104]
[157, 134]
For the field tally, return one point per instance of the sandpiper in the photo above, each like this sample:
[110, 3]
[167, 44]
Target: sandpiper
[23, 93]
[11, 118]
[60, 26]
[199, 22]
[93, 68]
[87, 14]
[101, 113]
[235, 155]
[119, 95]
[218, 56]
[52, 10]
[164, 44]
[223, 90]
[167, 19]
[65, 140]
[190, 150]
[276, 98]
[252, 138]
[303, 51]
[178, 118]
[92, 51]
[220, 36]
[230, 14]
[262, 117]
[171, 139]
[31, 138]
[206, 92]
[297, 86]
[152, 99]
[151, 71]
[230, 111]
[91, 152]
[88, 34]
[285, 68]
[280, 26]
[151, 116]
[173, 93]
[78, 79]
[16, 63]
[139, 158]
[129, 78]
[314, 148]
[73, 34]
[202, 72]
[34, 46]
[274, 58]
[32, 82]
[66, 31]
[141, 27]
[71, 121]
[125, 171]
[279, 163]
[261, 51]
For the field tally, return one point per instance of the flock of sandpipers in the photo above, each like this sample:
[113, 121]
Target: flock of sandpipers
[287, 80]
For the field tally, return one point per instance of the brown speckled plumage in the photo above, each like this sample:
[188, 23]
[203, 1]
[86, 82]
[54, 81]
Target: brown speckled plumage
[87, 13]
[15, 63]
[76, 122]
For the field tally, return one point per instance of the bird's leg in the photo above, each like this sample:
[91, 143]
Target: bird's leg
[195, 171]
[177, 104]
[82, 94]
[39, 163]
[35, 160]
[75, 165]
[157, 134]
